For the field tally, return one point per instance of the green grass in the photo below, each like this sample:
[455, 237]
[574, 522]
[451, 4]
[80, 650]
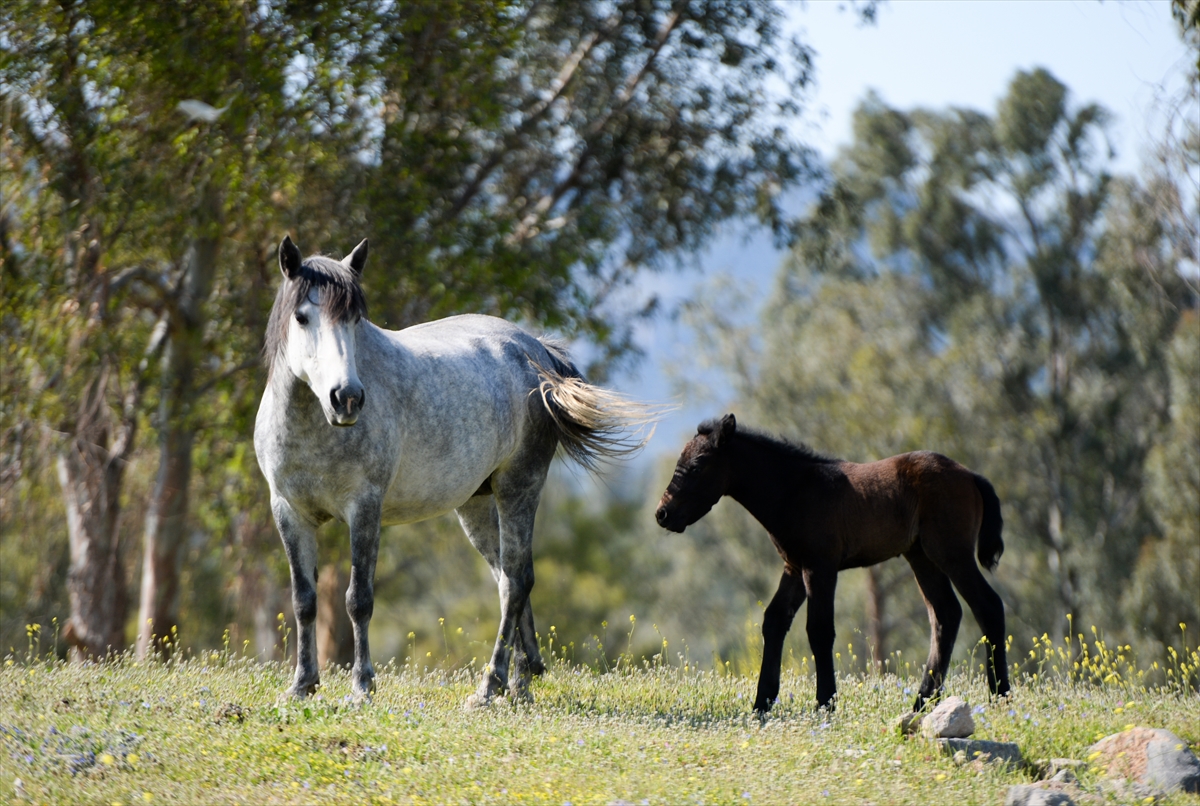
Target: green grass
[130, 733]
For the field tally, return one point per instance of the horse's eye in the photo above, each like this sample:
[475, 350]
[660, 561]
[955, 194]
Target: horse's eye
[302, 319]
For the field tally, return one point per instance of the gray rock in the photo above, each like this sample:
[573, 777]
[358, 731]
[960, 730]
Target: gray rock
[1064, 776]
[950, 720]
[981, 750]
[1171, 766]
[909, 724]
[1033, 795]
[1150, 757]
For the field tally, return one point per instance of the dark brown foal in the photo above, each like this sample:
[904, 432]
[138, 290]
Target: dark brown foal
[825, 515]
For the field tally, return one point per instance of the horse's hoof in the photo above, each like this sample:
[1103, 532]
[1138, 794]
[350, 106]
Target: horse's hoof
[477, 701]
[520, 694]
[302, 691]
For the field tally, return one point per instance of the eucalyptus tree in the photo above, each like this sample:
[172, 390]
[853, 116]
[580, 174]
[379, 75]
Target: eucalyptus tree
[524, 159]
[965, 283]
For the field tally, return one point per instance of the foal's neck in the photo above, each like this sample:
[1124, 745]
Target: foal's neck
[764, 480]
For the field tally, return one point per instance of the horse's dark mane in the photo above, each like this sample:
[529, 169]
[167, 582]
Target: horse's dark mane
[788, 449]
[338, 291]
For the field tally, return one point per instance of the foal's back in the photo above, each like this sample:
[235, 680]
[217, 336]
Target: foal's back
[882, 509]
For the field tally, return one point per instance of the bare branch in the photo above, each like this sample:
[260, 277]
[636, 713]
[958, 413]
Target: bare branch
[546, 203]
[557, 87]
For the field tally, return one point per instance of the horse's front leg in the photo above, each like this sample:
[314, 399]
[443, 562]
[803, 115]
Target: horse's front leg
[821, 585]
[360, 594]
[776, 622]
[300, 543]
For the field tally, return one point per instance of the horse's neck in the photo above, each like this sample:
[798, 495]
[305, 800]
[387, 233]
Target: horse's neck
[292, 394]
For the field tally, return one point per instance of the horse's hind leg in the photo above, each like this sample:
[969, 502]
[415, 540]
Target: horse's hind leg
[300, 543]
[776, 623]
[988, 609]
[481, 522]
[516, 493]
[945, 614]
[360, 594]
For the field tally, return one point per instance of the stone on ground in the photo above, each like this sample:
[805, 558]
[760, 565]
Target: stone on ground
[1034, 795]
[1148, 756]
[950, 720]
[980, 750]
[910, 723]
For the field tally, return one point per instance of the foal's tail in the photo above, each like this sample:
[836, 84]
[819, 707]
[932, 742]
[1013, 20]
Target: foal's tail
[991, 544]
[593, 423]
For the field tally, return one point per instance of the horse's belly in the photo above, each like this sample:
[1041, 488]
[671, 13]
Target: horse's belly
[428, 486]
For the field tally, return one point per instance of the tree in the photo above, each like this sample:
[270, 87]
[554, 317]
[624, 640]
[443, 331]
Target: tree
[523, 159]
[980, 285]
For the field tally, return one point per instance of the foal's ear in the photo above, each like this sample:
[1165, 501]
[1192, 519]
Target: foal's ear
[725, 430]
[357, 259]
[289, 258]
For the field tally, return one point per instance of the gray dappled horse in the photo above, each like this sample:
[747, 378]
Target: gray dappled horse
[373, 427]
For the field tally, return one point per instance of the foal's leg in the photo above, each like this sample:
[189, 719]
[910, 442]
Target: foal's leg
[945, 614]
[360, 594]
[820, 587]
[776, 622]
[300, 544]
[481, 522]
[988, 609]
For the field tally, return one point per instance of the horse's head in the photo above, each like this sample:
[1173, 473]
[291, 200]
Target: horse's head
[314, 326]
[701, 476]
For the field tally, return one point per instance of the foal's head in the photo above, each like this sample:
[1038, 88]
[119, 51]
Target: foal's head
[313, 326]
[701, 475]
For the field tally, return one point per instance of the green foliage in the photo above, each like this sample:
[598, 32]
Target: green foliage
[522, 159]
[980, 286]
[1167, 576]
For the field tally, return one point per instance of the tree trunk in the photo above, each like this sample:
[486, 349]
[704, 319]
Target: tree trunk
[166, 521]
[335, 634]
[91, 477]
[876, 607]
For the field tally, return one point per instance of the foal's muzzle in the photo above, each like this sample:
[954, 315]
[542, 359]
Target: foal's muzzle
[664, 517]
[348, 402]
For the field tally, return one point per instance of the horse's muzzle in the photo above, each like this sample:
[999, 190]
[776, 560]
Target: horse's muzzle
[348, 402]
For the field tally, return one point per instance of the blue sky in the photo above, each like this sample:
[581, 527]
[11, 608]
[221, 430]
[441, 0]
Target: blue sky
[934, 54]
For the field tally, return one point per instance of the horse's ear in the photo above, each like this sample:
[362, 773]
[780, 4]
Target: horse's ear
[725, 430]
[357, 259]
[289, 258]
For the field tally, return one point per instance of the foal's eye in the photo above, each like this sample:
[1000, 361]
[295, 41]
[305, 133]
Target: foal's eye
[301, 319]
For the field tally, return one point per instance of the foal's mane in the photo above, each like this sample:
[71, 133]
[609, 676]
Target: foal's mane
[777, 446]
[339, 294]
[788, 449]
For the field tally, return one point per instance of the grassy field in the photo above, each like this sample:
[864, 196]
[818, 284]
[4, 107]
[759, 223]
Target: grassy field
[216, 730]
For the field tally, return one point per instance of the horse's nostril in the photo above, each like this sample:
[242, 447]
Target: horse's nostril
[661, 514]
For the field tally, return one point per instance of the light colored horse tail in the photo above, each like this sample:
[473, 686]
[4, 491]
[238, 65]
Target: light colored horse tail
[593, 424]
